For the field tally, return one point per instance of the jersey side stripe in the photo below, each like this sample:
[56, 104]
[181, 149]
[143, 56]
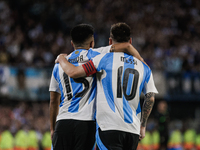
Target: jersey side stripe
[107, 81]
[145, 68]
[99, 142]
[93, 90]
[57, 77]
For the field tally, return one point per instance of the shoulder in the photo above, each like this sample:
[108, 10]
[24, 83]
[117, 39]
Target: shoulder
[55, 69]
[146, 68]
[105, 49]
[103, 56]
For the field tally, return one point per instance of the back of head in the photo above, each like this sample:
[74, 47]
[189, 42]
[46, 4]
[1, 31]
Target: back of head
[81, 34]
[120, 32]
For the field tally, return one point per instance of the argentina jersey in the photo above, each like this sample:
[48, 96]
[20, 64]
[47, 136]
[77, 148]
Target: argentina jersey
[120, 80]
[77, 95]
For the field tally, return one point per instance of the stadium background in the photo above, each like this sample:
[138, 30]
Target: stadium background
[33, 33]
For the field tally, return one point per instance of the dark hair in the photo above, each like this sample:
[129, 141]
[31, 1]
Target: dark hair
[120, 32]
[81, 33]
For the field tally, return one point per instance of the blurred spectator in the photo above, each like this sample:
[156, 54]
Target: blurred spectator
[162, 116]
[21, 115]
[26, 117]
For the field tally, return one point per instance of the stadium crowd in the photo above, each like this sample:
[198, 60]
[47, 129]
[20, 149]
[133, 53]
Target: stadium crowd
[33, 33]
[166, 33]
[19, 118]
[25, 126]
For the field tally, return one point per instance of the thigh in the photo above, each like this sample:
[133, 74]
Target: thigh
[111, 140]
[90, 140]
[84, 135]
[63, 135]
[60, 142]
[131, 141]
[74, 135]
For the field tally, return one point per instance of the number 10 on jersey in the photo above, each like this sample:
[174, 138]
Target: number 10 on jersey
[122, 86]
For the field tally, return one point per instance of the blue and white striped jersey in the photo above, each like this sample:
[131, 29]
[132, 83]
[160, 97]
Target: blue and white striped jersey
[77, 95]
[120, 80]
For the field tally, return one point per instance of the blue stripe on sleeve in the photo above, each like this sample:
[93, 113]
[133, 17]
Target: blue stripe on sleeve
[145, 79]
[57, 77]
[148, 75]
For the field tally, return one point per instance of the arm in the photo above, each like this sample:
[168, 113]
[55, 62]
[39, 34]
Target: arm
[54, 107]
[146, 110]
[127, 48]
[71, 70]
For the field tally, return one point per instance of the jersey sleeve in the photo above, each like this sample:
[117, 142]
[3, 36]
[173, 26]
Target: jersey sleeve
[54, 85]
[149, 85]
[103, 50]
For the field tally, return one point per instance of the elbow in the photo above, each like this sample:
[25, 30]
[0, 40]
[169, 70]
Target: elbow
[141, 59]
[152, 99]
[128, 46]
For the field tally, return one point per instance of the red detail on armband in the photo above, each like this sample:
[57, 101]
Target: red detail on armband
[89, 68]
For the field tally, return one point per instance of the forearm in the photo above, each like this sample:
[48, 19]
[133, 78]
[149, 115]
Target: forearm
[147, 108]
[53, 115]
[71, 70]
[120, 47]
[66, 66]
[54, 108]
[126, 48]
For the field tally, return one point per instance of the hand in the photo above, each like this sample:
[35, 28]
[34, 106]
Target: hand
[59, 56]
[142, 132]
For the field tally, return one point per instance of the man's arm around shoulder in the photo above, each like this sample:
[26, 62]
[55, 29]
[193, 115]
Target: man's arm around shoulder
[126, 48]
[71, 70]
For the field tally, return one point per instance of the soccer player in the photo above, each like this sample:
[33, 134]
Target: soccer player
[120, 80]
[72, 106]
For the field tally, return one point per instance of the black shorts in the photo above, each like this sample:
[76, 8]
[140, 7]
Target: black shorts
[116, 140]
[72, 134]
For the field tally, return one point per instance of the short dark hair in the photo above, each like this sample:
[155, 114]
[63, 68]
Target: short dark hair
[120, 32]
[81, 33]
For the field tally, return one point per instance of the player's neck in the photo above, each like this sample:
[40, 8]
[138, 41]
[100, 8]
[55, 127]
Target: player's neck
[82, 47]
[114, 42]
